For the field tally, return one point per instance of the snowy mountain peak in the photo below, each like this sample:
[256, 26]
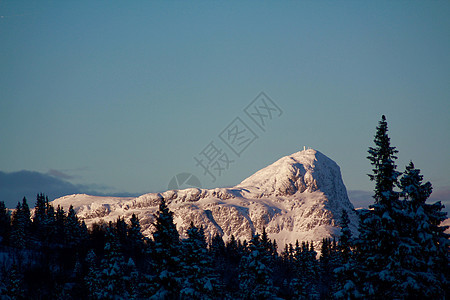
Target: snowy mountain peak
[307, 170]
[299, 197]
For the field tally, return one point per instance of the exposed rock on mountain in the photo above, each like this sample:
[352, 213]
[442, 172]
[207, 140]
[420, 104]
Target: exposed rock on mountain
[299, 197]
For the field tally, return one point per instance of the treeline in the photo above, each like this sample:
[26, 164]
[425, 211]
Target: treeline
[53, 255]
[401, 252]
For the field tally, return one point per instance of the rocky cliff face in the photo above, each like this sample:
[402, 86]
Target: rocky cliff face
[299, 197]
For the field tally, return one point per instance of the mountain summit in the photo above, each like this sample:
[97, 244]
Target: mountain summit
[299, 197]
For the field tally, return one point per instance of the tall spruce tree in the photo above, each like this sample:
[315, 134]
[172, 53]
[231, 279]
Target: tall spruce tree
[136, 240]
[40, 211]
[73, 230]
[166, 254]
[427, 258]
[60, 221]
[44, 220]
[380, 238]
[18, 234]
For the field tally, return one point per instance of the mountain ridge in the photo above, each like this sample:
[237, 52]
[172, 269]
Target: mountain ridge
[299, 197]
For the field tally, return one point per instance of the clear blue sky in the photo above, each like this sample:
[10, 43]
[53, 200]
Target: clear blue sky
[118, 97]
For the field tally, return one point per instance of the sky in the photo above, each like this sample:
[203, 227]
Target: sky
[117, 98]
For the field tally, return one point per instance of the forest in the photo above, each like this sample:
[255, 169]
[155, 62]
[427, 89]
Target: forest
[401, 252]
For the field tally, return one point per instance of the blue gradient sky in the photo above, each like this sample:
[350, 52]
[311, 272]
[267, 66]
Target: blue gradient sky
[118, 97]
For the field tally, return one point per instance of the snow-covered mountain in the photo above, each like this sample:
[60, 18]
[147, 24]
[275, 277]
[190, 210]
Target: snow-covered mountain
[299, 197]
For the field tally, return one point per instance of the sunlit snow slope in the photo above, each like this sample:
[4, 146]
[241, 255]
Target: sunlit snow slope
[299, 197]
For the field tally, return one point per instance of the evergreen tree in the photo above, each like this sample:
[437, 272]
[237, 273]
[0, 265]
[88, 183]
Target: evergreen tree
[166, 253]
[44, 220]
[217, 248]
[255, 280]
[199, 282]
[50, 224]
[121, 229]
[379, 227]
[18, 234]
[60, 221]
[345, 270]
[286, 254]
[325, 254]
[21, 225]
[233, 250]
[13, 284]
[136, 241]
[92, 278]
[5, 224]
[345, 239]
[427, 255]
[327, 263]
[112, 270]
[382, 157]
[40, 210]
[26, 214]
[132, 280]
[265, 241]
[73, 233]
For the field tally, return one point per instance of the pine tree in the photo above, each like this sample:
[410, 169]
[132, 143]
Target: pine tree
[345, 238]
[72, 227]
[327, 263]
[121, 229]
[379, 227]
[199, 281]
[427, 256]
[18, 234]
[60, 221]
[112, 269]
[92, 278]
[132, 280]
[21, 225]
[217, 248]
[44, 220]
[166, 253]
[5, 224]
[136, 241]
[13, 284]
[233, 250]
[255, 275]
[40, 210]
[345, 270]
[26, 215]
[325, 253]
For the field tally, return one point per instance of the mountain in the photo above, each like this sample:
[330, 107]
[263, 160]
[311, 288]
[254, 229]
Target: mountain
[299, 197]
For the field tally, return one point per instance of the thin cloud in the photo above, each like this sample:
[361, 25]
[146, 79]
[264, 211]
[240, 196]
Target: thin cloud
[59, 174]
[16, 185]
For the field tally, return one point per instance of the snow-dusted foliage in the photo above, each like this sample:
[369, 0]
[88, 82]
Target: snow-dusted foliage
[12, 284]
[255, 273]
[199, 281]
[166, 255]
[426, 254]
[146, 250]
[346, 276]
[401, 251]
